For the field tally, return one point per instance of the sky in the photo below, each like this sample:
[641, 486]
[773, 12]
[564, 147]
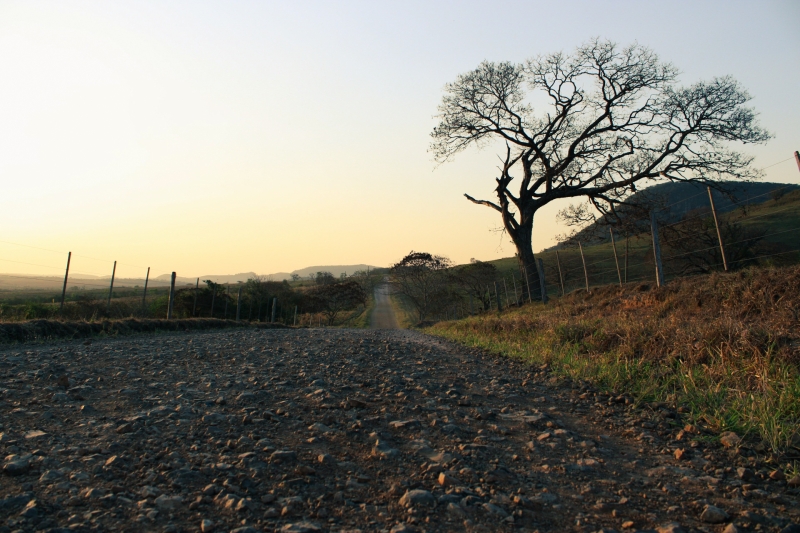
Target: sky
[225, 137]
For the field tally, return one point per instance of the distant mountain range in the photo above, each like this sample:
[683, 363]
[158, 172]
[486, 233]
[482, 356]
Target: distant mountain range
[12, 281]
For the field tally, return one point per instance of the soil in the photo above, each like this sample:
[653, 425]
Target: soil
[342, 430]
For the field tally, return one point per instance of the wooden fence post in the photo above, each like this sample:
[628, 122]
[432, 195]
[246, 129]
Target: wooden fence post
[274, 308]
[66, 276]
[497, 297]
[656, 249]
[111, 288]
[516, 298]
[719, 234]
[627, 241]
[616, 260]
[194, 305]
[171, 302]
[505, 286]
[144, 292]
[527, 283]
[239, 304]
[542, 282]
[294, 322]
[560, 275]
[585, 272]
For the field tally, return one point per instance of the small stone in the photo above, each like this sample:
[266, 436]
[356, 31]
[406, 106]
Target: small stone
[729, 439]
[455, 510]
[271, 512]
[791, 528]
[495, 510]
[268, 498]
[168, 503]
[301, 527]
[50, 476]
[283, 456]
[745, 474]
[245, 529]
[670, 527]
[404, 424]
[402, 528]
[305, 470]
[713, 515]
[777, 475]
[417, 497]
[355, 402]
[31, 509]
[113, 461]
[149, 491]
[446, 480]
[127, 427]
[16, 466]
[794, 482]
[731, 528]
[320, 428]
[34, 434]
[680, 453]
[326, 459]
[628, 524]
[207, 526]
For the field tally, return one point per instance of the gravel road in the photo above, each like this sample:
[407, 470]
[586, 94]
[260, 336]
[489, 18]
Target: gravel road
[383, 316]
[344, 430]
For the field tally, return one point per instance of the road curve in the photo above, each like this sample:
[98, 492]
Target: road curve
[383, 316]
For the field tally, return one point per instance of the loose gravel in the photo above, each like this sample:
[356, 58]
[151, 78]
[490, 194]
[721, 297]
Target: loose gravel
[347, 430]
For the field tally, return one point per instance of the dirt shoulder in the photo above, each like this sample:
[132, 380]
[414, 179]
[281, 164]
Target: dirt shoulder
[332, 430]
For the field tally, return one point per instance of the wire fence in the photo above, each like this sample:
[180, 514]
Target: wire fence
[760, 230]
[89, 288]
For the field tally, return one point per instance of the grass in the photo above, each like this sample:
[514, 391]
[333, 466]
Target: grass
[45, 330]
[404, 311]
[725, 347]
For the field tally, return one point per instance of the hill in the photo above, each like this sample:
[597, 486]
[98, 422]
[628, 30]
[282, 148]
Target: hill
[675, 200]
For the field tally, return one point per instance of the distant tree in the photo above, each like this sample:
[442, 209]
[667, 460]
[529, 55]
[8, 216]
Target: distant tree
[214, 289]
[333, 298]
[295, 277]
[473, 278]
[324, 278]
[614, 118]
[422, 279]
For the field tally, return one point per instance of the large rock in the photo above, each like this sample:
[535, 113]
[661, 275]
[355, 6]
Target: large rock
[713, 515]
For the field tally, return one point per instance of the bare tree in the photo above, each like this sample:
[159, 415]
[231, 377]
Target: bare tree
[332, 298]
[473, 278]
[422, 279]
[615, 118]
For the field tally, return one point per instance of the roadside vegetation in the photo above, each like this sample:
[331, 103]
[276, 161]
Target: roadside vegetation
[319, 299]
[722, 348]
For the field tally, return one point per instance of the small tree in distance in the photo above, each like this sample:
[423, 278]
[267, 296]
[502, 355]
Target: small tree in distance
[332, 298]
[614, 118]
[422, 279]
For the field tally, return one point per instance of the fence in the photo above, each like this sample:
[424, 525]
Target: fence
[77, 290]
[761, 230]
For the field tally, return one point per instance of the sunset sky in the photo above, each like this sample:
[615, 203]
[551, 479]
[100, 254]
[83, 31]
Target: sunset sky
[225, 137]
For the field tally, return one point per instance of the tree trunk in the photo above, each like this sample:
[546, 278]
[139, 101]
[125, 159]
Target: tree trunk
[522, 238]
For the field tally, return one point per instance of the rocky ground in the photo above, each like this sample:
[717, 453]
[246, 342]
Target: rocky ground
[345, 430]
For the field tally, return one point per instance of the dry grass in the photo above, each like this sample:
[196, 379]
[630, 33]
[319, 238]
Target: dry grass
[42, 330]
[725, 346]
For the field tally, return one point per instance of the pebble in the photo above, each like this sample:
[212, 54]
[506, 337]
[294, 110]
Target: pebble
[417, 497]
[713, 515]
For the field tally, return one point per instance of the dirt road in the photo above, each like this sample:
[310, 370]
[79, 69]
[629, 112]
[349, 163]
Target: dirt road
[345, 430]
[383, 316]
